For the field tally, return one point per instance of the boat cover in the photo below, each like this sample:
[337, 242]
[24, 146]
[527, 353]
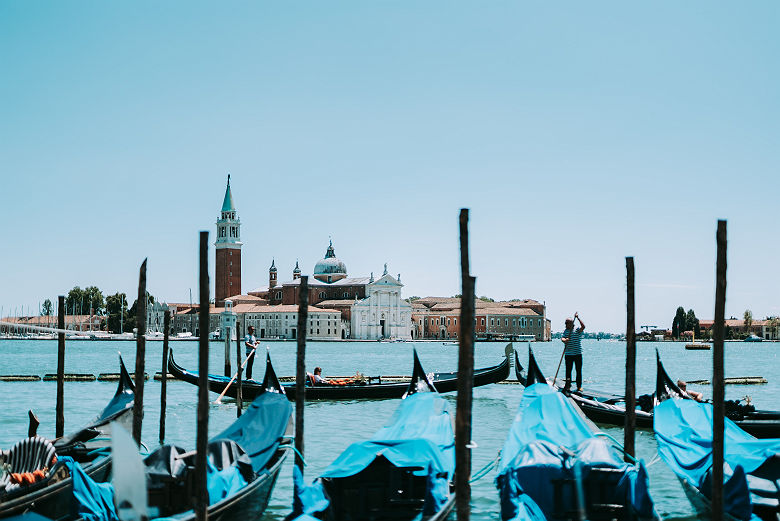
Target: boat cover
[91, 501]
[683, 429]
[547, 439]
[419, 434]
[260, 428]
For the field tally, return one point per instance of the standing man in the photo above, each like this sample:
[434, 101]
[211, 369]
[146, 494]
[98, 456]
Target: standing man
[250, 344]
[573, 340]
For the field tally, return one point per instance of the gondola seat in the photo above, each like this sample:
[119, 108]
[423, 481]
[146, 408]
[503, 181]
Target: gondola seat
[27, 456]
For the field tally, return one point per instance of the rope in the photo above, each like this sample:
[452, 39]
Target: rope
[292, 447]
[481, 473]
[618, 446]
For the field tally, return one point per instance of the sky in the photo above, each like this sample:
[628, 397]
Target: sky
[576, 133]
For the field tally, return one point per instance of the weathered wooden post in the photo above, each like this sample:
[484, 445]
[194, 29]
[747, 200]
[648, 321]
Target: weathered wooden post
[60, 408]
[227, 334]
[718, 384]
[630, 425]
[239, 391]
[164, 375]
[201, 490]
[300, 369]
[465, 378]
[140, 353]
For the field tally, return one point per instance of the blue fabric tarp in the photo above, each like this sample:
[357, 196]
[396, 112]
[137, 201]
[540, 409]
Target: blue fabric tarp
[547, 439]
[260, 428]
[91, 501]
[684, 433]
[419, 434]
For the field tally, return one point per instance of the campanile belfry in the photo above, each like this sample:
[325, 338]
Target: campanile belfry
[228, 248]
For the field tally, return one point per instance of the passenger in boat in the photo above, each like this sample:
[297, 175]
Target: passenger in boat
[693, 394]
[250, 346]
[317, 378]
[572, 338]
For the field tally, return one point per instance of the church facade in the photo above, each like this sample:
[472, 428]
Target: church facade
[382, 313]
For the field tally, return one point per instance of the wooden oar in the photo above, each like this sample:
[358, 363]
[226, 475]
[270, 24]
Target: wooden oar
[563, 353]
[251, 354]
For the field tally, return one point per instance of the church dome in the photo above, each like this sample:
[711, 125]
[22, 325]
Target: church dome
[330, 265]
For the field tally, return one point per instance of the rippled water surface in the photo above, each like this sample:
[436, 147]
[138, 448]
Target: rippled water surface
[331, 426]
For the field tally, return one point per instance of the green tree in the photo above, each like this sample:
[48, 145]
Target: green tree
[483, 298]
[93, 299]
[74, 300]
[47, 309]
[130, 319]
[679, 322]
[692, 323]
[748, 316]
[116, 309]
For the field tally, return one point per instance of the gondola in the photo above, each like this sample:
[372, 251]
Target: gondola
[89, 446]
[610, 408]
[556, 465]
[683, 429]
[243, 463]
[248, 454]
[404, 472]
[444, 382]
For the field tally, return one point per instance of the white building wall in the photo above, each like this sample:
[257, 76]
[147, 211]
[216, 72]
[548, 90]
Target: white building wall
[382, 302]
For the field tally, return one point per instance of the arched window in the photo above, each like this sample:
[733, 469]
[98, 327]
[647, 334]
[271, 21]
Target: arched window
[322, 294]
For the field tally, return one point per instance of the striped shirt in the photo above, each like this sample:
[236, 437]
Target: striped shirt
[574, 345]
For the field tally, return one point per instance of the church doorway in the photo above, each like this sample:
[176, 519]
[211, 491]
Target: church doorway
[382, 323]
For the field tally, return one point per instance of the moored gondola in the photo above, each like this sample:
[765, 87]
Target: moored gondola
[751, 467]
[555, 464]
[404, 472]
[51, 496]
[444, 382]
[609, 408]
[244, 462]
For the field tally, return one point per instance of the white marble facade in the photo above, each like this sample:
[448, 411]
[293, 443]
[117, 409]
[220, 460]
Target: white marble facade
[382, 314]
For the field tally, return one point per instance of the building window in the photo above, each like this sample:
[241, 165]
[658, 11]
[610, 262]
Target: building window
[539, 322]
[492, 322]
[318, 331]
[506, 321]
[454, 321]
[483, 321]
[322, 294]
[514, 322]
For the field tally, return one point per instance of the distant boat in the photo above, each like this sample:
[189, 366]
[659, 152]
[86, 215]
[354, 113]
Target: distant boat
[694, 345]
[754, 338]
[185, 334]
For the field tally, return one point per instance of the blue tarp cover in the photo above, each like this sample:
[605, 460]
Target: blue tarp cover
[683, 430]
[91, 501]
[419, 434]
[546, 426]
[260, 428]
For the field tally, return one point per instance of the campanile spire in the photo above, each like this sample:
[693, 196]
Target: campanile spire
[228, 251]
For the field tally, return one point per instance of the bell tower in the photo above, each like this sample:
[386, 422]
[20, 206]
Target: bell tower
[228, 251]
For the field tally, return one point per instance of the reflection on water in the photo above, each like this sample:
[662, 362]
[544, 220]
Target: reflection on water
[332, 426]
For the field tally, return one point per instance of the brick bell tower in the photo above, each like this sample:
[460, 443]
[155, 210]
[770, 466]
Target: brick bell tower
[228, 248]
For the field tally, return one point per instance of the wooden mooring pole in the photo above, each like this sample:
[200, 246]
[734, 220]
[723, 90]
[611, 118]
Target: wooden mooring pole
[140, 353]
[465, 378]
[239, 391]
[300, 369]
[718, 384]
[164, 375]
[630, 425]
[60, 408]
[201, 490]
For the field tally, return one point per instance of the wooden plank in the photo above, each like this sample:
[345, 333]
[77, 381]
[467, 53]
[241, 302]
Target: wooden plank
[164, 375]
[465, 378]
[60, 407]
[140, 353]
[300, 369]
[202, 427]
[718, 387]
[239, 384]
[630, 424]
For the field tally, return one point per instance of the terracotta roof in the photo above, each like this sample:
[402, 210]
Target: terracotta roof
[281, 308]
[335, 302]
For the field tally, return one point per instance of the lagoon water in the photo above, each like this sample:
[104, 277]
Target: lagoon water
[332, 426]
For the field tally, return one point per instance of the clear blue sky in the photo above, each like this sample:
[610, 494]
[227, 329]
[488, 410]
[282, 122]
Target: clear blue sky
[577, 134]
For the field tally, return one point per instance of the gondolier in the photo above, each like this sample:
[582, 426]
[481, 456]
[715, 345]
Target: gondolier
[250, 344]
[572, 338]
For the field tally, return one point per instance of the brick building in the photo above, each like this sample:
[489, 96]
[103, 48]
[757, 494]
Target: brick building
[438, 317]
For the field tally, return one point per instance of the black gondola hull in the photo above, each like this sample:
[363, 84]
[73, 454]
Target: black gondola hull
[250, 389]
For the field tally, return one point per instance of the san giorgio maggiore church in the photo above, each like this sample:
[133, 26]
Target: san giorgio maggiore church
[340, 306]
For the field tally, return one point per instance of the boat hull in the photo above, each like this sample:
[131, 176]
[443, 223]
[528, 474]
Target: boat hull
[251, 501]
[251, 389]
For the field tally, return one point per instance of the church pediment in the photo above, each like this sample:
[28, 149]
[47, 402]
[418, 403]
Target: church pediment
[387, 280]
